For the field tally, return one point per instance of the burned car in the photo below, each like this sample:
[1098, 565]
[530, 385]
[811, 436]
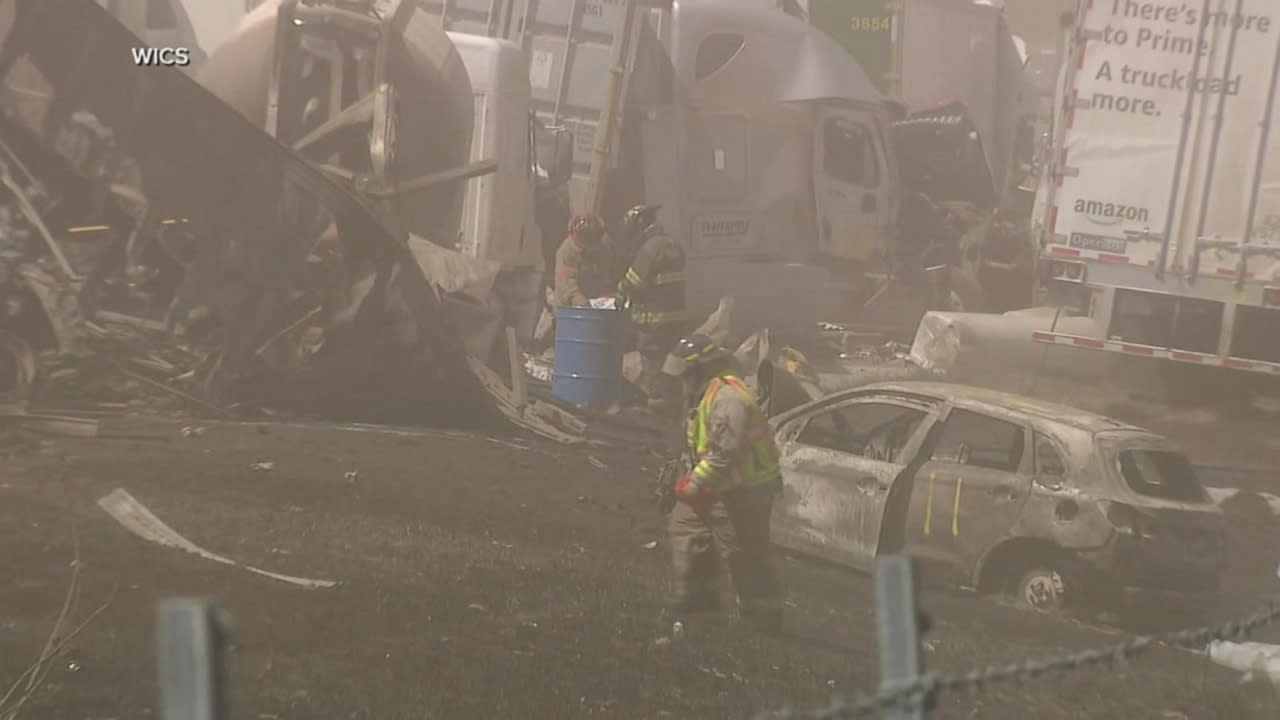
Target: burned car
[997, 493]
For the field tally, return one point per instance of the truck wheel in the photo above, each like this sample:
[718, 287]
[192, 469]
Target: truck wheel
[1043, 588]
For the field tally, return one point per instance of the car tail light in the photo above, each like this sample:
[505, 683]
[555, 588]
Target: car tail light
[1271, 296]
[1068, 271]
[1124, 519]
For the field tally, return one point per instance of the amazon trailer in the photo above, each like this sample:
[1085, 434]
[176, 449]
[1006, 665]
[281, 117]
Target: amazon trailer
[1159, 214]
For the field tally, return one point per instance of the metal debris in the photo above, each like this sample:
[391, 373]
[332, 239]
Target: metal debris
[205, 261]
[136, 518]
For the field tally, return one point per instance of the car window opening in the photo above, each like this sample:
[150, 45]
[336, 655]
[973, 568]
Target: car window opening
[1049, 461]
[969, 438]
[876, 431]
[1160, 474]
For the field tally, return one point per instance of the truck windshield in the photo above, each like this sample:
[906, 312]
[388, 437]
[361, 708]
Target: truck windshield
[1160, 474]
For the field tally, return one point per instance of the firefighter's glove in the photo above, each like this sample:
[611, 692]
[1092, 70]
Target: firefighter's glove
[694, 495]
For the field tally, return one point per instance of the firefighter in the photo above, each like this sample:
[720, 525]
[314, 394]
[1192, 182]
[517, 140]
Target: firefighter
[654, 287]
[725, 499]
[584, 264]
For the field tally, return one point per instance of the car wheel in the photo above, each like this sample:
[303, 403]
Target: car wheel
[1043, 589]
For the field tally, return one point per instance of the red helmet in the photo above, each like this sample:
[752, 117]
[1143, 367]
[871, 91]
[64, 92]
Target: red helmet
[587, 227]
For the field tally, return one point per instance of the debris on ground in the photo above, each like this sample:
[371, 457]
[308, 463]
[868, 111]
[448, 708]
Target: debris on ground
[140, 521]
[976, 347]
[144, 266]
[1256, 660]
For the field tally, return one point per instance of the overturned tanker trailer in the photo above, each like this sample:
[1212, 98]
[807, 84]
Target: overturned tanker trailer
[372, 91]
[284, 288]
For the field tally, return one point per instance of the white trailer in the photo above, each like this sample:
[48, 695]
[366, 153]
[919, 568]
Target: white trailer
[1160, 212]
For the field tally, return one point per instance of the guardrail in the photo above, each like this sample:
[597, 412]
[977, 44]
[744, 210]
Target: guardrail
[907, 692]
[193, 635]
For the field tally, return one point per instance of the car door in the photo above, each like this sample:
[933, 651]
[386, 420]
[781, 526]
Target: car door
[838, 464]
[851, 181]
[970, 492]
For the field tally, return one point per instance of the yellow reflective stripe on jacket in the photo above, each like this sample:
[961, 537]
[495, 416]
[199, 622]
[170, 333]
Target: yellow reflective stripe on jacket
[657, 318]
[757, 462]
[633, 279]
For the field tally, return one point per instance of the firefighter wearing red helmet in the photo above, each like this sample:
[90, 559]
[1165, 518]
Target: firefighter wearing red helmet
[584, 264]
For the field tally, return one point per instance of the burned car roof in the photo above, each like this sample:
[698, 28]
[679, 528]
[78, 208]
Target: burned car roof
[1001, 402]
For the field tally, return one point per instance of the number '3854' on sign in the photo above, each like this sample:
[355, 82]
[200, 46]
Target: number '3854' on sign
[870, 23]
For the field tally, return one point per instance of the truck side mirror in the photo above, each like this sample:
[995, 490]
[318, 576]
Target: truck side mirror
[962, 454]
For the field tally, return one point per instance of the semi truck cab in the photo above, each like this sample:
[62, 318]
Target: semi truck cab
[783, 181]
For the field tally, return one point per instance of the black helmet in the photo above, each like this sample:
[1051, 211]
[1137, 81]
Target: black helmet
[639, 218]
[693, 352]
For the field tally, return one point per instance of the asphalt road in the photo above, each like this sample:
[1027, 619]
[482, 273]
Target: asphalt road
[482, 578]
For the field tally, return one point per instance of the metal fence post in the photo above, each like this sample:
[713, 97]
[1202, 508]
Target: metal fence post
[192, 639]
[898, 632]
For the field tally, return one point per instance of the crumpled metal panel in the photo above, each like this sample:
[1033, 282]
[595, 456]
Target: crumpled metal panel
[433, 99]
[254, 207]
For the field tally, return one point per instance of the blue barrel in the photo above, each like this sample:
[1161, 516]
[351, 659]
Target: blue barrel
[588, 371]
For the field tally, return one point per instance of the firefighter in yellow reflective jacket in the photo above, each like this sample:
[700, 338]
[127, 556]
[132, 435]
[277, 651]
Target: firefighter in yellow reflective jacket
[654, 287]
[726, 498]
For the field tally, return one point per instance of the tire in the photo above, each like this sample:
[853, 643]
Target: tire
[1043, 588]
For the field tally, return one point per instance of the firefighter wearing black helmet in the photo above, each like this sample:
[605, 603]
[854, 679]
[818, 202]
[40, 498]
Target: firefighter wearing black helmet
[654, 287]
[725, 499]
